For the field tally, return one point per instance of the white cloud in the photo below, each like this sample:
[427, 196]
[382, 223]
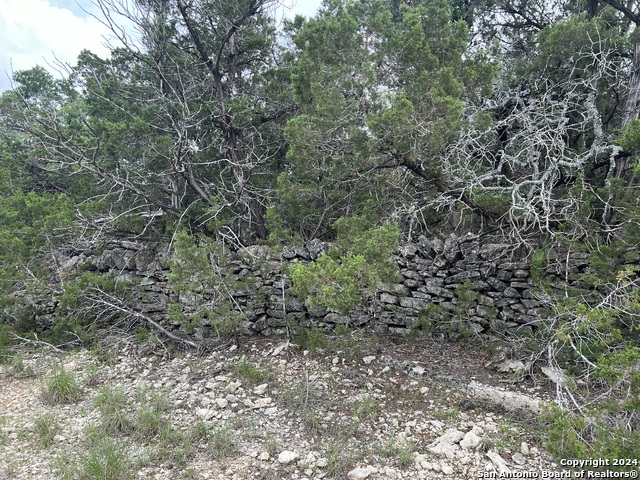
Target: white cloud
[34, 32]
[307, 8]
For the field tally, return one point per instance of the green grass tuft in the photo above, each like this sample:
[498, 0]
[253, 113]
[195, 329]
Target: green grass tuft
[60, 387]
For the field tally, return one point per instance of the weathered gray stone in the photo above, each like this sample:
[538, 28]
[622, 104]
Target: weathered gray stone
[436, 291]
[427, 249]
[504, 275]
[507, 314]
[361, 473]
[447, 444]
[511, 292]
[503, 302]
[388, 298]
[493, 251]
[529, 303]
[527, 319]
[288, 253]
[412, 283]
[452, 249]
[527, 294]
[425, 267]
[434, 281]
[497, 284]
[287, 457]
[501, 326]
[462, 276]
[485, 300]
[277, 322]
[275, 313]
[481, 285]
[423, 296]
[408, 250]
[485, 312]
[316, 248]
[414, 303]
[518, 307]
[412, 274]
[487, 270]
[395, 289]
[437, 245]
[294, 305]
[440, 262]
[499, 463]
[471, 440]
[333, 317]
[358, 319]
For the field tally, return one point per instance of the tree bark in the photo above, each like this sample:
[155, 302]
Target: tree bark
[631, 107]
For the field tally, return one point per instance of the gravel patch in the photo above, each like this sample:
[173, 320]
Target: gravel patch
[268, 409]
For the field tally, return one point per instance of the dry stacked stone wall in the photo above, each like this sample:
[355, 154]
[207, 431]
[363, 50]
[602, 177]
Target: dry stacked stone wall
[453, 285]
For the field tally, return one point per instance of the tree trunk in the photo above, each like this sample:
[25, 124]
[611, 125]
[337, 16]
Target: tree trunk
[632, 106]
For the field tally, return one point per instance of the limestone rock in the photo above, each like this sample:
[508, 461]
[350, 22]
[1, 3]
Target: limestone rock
[518, 458]
[471, 440]
[287, 457]
[555, 375]
[446, 469]
[447, 444]
[498, 462]
[264, 456]
[361, 473]
[508, 400]
[261, 389]
[368, 359]
[511, 366]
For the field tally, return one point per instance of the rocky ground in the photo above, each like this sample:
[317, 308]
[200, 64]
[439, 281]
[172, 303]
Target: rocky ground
[329, 407]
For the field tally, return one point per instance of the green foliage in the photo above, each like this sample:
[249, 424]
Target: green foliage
[113, 407]
[31, 226]
[142, 334]
[599, 346]
[431, 319]
[365, 407]
[573, 436]
[356, 265]
[60, 386]
[371, 79]
[400, 451]
[149, 421]
[566, 46]
[18, 368]
[91, 302]
[495, 204]
[205, 282]
[630, 137]
[6, 342]
[254, 374]
[538, 267]
[453, 322]
[223, 444]
[341, 458]
[311, 339]
[45, 428]
[31, 222]
[279, 234]
[106, 459]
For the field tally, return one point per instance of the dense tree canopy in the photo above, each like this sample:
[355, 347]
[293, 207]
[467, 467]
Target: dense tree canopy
[447, 114]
